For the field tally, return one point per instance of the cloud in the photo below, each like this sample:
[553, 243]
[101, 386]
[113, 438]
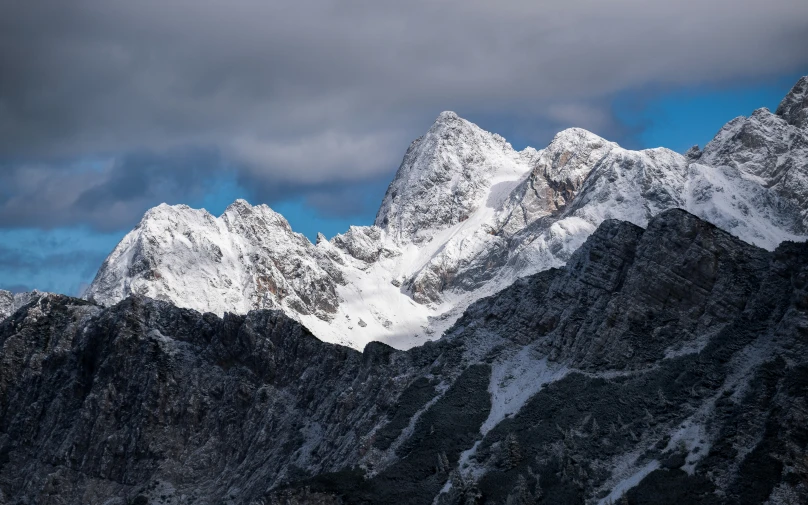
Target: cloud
[108, 194]
[297, 96]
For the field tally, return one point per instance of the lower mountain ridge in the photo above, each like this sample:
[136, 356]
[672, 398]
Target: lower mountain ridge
[664, 365]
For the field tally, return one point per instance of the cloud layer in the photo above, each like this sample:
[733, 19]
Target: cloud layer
[306, 95]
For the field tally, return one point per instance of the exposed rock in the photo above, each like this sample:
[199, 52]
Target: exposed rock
[794, 107]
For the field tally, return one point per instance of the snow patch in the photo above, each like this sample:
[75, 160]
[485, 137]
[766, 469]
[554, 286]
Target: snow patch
[630, 478]
[514, 381]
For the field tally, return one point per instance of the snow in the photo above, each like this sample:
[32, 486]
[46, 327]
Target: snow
[631, 478]
[690, 435]
[514, 380]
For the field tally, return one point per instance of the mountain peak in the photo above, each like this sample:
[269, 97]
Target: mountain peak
[794, 107]
[571, 155]
[445, 177]
[447, 115]
[239, 204]
[240, 212]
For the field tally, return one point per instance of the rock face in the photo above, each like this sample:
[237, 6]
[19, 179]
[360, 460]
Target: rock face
[465, 216]
[660, 365]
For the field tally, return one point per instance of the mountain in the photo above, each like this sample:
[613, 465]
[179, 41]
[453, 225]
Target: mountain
[465, 216]
[664, 365]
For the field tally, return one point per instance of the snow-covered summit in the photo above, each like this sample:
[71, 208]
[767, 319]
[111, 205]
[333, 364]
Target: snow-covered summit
[445, 177]
[248, 257]
[465, 216]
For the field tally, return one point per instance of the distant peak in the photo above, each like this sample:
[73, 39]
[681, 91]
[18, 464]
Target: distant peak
[761, 111]
[239, 204]
[164, 209]
[576, 133]
[794, 107]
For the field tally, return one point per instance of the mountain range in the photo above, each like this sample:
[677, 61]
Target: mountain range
[465, 216]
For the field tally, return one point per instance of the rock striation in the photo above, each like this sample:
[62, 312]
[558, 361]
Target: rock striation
[659, 365]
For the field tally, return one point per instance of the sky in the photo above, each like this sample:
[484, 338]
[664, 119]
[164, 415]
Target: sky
[109, 108]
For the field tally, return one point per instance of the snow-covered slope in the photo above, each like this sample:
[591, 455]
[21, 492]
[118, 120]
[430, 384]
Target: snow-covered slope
[464, 217]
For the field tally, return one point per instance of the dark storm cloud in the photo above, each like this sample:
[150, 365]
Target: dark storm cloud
[310, 93]
[106, 194]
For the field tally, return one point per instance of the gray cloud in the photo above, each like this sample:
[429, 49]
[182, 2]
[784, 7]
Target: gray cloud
[107, 194]
[315, 93]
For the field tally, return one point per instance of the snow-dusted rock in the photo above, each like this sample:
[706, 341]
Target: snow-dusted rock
[465, 216]
[772, 150]
[446, 177]
[247, 258]
[11, 302]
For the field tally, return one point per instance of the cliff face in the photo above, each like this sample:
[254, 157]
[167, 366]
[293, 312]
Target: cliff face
[665, 365]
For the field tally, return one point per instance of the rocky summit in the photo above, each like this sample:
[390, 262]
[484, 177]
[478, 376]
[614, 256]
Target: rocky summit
[663, 364]
[465, 216]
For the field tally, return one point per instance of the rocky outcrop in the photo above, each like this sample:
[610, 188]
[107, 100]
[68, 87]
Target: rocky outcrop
[660, 365]
[794, 107]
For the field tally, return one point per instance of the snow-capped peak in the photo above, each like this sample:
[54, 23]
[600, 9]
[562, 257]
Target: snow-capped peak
[445, 177]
